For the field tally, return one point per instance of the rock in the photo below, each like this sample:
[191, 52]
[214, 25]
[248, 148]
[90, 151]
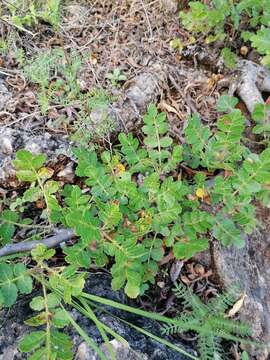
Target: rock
[10, 353]
[11, 140]
[250, 268]
[121, 352]
[6, 145]
[5, 95]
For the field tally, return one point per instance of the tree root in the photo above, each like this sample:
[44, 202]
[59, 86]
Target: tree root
[251, 80]
[50, 242]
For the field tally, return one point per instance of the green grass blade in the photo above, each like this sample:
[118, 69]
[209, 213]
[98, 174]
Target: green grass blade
[83, 334]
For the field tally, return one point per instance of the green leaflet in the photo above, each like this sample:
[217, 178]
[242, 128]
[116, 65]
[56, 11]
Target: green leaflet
[7, 226]
[196, 222]
[32, 341]
[226, 103]
[253, 174]
[221, 150]
[226, 231]
[196, 134]
[134, 156]
[60, 345]
[260, 41]
[156, 140]
[74, 197]
[229, 58]
[14, 279]
[85, 225]
[260, 116]
[111, 215]
[78, 255]
[27, 165]
[187, 248]
[38, 303]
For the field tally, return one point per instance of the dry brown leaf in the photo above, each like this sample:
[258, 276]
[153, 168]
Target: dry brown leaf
[164, 106]
[185, 279]
[237, 306]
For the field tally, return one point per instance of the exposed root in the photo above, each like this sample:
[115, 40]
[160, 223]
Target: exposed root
[251, 80]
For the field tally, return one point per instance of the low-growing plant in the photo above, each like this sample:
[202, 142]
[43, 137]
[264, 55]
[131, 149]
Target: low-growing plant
[209, 321]
[214, 18]
[56, 74]
[89, 127]
[138, 206]
[28, 13]
[116, 77]
[134, 204]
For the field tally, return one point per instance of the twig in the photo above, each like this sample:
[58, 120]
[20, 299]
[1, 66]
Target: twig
[7, 74]
[18, 27]
[148, 21]
[49, 242]
[20, 119]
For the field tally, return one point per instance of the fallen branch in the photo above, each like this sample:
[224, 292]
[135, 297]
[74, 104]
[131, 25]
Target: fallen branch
[26, 246]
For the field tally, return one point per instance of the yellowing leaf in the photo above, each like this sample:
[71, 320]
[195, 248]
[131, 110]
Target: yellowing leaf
[119, 169]
[45, 173]
[201, 193]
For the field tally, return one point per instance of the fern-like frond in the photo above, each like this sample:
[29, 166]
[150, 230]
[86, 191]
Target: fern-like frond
[200, 310]
[181, 292]
[183, 323]
[224, 301]
[191, 300]
[208, 347]
[228, 326]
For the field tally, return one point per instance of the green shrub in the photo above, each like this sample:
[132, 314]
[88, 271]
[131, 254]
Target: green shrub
[213, 21]
[138, 208]
[133, 207]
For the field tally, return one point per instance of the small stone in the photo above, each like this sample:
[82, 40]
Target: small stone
[176, 269]
[6, 145]
[34, 148]
[122, 352]
[84, 352]
[10, 353]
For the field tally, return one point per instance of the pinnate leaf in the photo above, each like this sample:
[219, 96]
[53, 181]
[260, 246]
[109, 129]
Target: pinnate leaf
[32, 340]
